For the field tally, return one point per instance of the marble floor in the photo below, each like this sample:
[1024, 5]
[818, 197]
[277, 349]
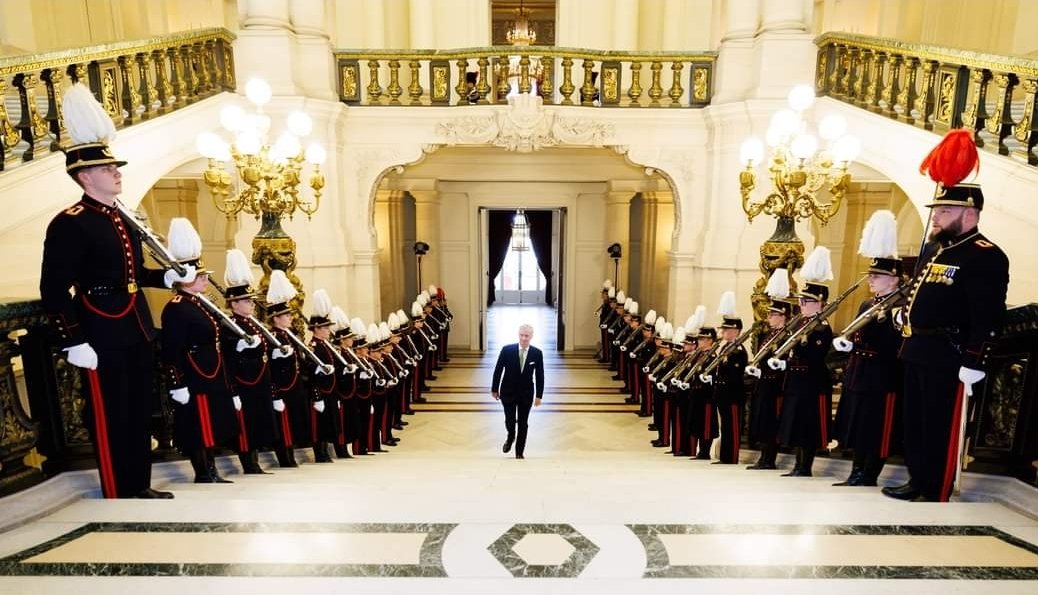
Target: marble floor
[592, 509]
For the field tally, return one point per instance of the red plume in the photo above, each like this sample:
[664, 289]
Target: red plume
[954, 158]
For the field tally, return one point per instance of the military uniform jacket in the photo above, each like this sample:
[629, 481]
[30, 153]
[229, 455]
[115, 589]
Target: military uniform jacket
[191, 352]
[728, 377]
[89, 246]
[347, 384]
[873, 366]
[957, 302]
[249, 367]
[324, 385]
[284, 371]
[806, 372]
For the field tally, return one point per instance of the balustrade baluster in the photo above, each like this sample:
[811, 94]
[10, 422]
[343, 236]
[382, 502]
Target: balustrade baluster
[676, 90]
[821, 68]
[655, 89]
[394, 89]
[906, 98]
[210, 74]
[587, 90]
[504, 67]
[9, 135]
[131, 99]
[635, 91]
[861, 82]
[415, 90]
[1026, 130]
[924, 101]
[190, 80]
[162, 85]
[525, 86]
[567, 88]
[892, 86]
[52, 78]
[849, 76]
[176, 76]
[547, 85]
[483, 86]
[1001, 122]
[462, 88]
[875, 86]
[975, 115]
[374, 90]
[836, 74]
[148, 92]
[33, 128]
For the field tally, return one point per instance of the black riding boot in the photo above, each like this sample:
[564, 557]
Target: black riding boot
[200, 463]
[856, 478]
[795, 471]
[321, 452]
[873, 467]
[212, 470]
[286, 456]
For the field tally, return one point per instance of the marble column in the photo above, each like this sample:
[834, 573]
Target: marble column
[422, 20]
[625, 24]
[782, 15]
[736, 73]
[265, 46]
[315, 71]
[389, 221]
[427, 229]
[618, 229]
[784, 49]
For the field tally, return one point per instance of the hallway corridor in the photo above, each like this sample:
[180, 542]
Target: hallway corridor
[593, 509]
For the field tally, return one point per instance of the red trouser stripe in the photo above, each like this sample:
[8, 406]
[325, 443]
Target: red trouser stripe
[204, 422]
[823, 420]
[243, 435]
[736, 438]
[888, 425]
[953, 448]
[286, 429]
[104, 450]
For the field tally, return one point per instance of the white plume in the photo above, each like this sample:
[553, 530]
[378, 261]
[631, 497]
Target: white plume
[416, 310]
[339, 318]
[697, 319]
[401, 317]
[667, 332]
[392, 321]
[280, 290]
[660, 321]
[778, 285]
[432, 290]
[818, 266]
[383, 330]
[372, 335]
[184, 243]
[621, 297]
[322, 303]
[727, 305]
[607, 284]
[679, 335]
[879, 238]
[612, 292]
[238, 270]
[357, 326]
[650, 317]
[634, 308]
[425, 298]
[85, 119]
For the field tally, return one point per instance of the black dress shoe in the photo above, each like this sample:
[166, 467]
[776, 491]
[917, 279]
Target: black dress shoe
[652, 427]
[408, 412]
[856, 478]
[508, 444]
[922, 498]
[150, 494]
[630, 400]
[907, 488]
[430, 377]
[404, 423]
[909, 493]
[398, 426]
[616, 377]
[420, 399]
[794, 472]
[702, 457]
[391, 441]
[658, 443]
[445, 360]
[519, 456]
[761, 465]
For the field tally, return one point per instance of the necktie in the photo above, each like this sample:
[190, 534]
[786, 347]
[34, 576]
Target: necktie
[522, 359]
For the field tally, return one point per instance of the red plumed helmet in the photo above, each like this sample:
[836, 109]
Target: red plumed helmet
[954, 158]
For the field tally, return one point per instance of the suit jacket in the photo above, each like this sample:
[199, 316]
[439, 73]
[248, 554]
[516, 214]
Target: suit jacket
[515, 384]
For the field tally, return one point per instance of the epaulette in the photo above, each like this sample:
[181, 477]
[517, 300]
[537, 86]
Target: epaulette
[74, 210]
[982, 243]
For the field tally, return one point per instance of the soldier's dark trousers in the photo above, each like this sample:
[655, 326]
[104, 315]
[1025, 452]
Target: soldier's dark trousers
[731, 431]
[118, 416]
[932, 409]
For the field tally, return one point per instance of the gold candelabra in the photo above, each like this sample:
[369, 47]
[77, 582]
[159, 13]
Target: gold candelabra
[799, 170]
[266, 177]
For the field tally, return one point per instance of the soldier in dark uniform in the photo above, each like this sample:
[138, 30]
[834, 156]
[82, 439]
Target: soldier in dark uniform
[954, 312]
[438, 300]
[345, 386]
[868, 417]
[291, 393]
[602, 314]
[729, 391]
[324, 414]
[640, 351]
[808, 393]
[198, 380]
[697, 408]
[106, 327]
[384, 381]
[767, 394]
[249, 366]
[365, 386]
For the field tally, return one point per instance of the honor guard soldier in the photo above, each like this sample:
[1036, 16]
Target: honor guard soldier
[381, 386]
[869, 415]
[204, 400]
[664, 360]
[630, 340]
[700, 411]
[807, 399]
[640, 354]
[411, 357]
[766, 402]
[365, 380]
[105, 327]
[345, 386]
[248, 365]
[324, 378]
[291, 394]
[602, 314]
[421, 343]
[954, 312]
[618, 325]
[727, 380]
[438, 300]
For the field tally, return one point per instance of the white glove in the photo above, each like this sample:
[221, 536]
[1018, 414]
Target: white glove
[631, 355]
[776, 364]
[350, 369]
[652, 378]
[380, 382]
[403, 374]
[601, 326]
[753, 371]
[82, 356]
[279, 405]
[623, 348]
[645, 368]
[325, 369]
[969, 377]
[364, 375]
[842, 344]
[180, 395]
[683, 386]
[248, 343]
[319, 406]
[171, 276]
[419, 357]
[283, 352]
[432, 347]
[237, 402]
[706, 378]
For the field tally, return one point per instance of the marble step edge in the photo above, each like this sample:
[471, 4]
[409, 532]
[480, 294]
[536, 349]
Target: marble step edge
[57, 492]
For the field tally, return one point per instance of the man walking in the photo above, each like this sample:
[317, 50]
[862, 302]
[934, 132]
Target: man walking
[519, 367]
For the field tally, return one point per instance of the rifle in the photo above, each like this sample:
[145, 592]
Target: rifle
[877, 311]
[304, 348]
[699, 365]
[815, 320]
[728, 348]
[779, 334]
[663, 382]
[267, 334]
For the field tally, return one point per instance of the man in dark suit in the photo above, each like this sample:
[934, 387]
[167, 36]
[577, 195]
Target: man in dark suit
[519, 367]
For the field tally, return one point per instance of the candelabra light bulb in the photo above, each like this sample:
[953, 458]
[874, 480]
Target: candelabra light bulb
[785, 122]
[248, 143]
[299, 123]
[232, 117]
[315, 154]
[846, 149]
[832, 127]
[801, 97]
[751, 151]
[258, 91]
[804, 146]
[208, 144]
